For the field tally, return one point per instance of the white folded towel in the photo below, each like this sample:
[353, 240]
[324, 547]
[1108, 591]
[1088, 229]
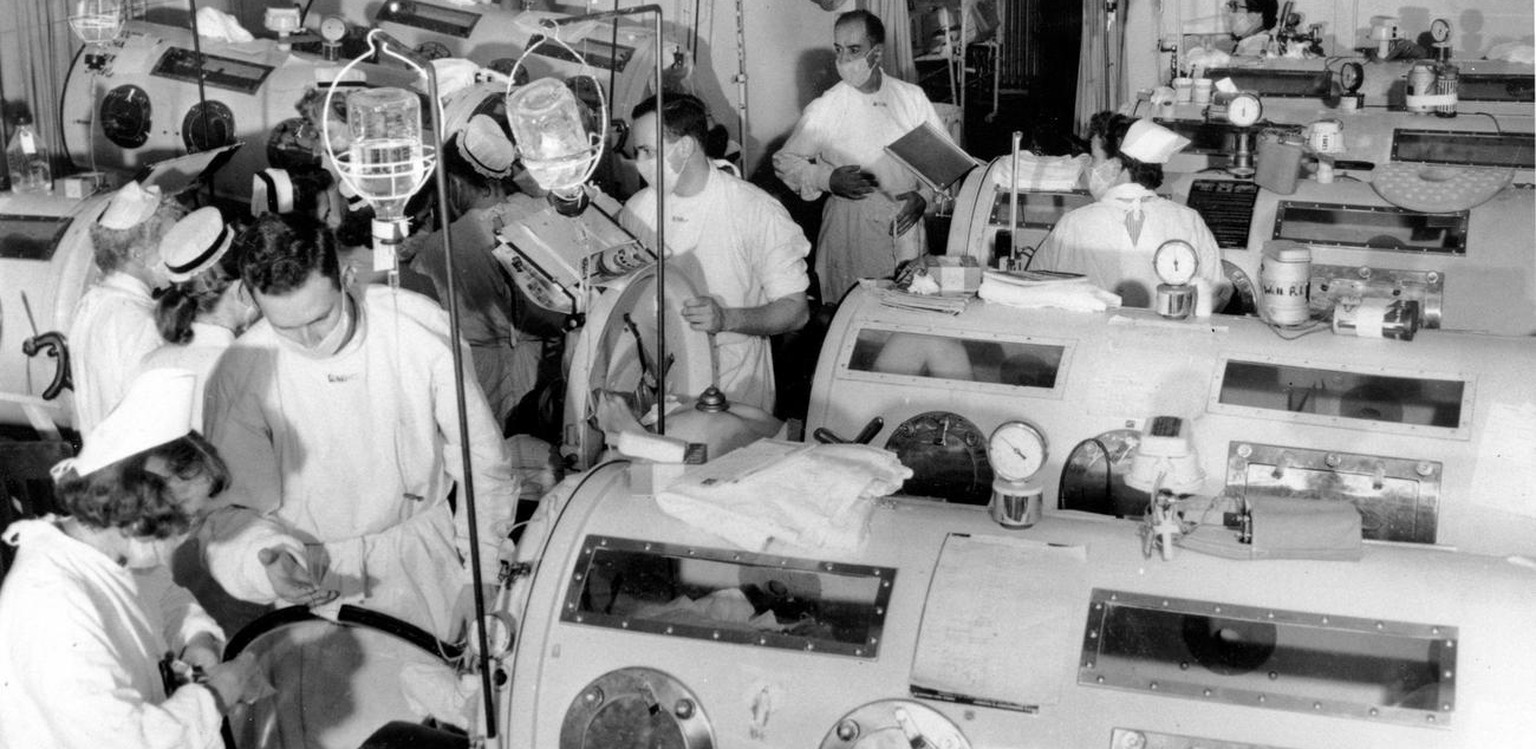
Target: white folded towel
[1035, 289]
[1042, 173]
[217, 26]
[808, 495]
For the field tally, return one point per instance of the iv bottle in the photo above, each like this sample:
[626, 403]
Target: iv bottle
[28, 160]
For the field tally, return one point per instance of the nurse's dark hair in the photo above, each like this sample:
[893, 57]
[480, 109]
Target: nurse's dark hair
[682, 115]
[874, 28]
[193, 456]
[1110, 128]
[180, 303]
[278, 252]
[122, 495]
[1270, 9]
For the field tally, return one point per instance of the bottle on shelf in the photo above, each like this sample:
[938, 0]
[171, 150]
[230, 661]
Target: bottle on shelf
[28, 159]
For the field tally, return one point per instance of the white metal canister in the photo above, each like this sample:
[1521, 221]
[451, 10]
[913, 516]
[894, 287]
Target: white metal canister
[1284, 275]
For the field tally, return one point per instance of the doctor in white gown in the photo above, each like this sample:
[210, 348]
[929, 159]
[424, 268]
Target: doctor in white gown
[872, 219]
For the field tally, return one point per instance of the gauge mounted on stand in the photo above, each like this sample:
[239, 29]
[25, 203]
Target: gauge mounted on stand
[1017, 452]
[1351, 78]
[1176, 263]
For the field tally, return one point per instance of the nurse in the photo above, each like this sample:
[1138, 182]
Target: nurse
[114, 323]
[1250, 22]
[205, 307]
[88, 611]
[1113, 240]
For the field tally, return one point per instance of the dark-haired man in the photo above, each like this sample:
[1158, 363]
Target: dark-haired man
[1113, 239]
[736, 243]
[871, 222]
[337, 416]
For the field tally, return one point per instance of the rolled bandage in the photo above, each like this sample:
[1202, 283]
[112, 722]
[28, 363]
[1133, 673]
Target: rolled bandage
[653, 447]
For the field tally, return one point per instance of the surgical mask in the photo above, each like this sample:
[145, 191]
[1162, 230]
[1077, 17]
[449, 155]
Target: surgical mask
[149, 553]
[647, 168]
[855, 71]
[1242, 23]
[334, 340]
[1101, 178]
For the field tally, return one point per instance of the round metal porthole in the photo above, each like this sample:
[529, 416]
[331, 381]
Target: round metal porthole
[894, 723]
[636, 708]
[207, 128]
[947, 455]
[125, 116]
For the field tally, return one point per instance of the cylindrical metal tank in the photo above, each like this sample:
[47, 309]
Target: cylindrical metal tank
[944, 627]
[1438, 416]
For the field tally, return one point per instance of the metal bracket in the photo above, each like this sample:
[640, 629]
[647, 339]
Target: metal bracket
[1398, 498]
[1330, 283]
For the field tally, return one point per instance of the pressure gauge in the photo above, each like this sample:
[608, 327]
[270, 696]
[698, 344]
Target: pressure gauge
[1244, 109]
[333, 29]
[1351, 76]
[1176, 262]
[1016, 450]
[1440, 30]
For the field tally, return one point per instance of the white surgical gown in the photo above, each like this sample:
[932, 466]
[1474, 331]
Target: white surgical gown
[737, 244]
[846, 126]
[200, 356]
[356, 453]
[113, 328]
[1093, 240]
[81, 637]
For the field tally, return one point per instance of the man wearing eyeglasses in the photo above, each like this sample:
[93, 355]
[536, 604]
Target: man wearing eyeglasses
[1250, 22]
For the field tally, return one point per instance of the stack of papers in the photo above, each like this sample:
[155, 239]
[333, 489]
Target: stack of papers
[947, 303]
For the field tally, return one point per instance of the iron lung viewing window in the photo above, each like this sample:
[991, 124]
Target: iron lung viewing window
[729, 596]
[30, 237]
[1400, 672]
[954, 358]
[1372, 227]
[1418, 401]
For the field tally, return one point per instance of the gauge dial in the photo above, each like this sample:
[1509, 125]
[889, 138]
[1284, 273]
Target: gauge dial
[1176, 262]
[1016, 450]
[1351, 75]
[1245, 109]
[1440, 30]
[333, 29]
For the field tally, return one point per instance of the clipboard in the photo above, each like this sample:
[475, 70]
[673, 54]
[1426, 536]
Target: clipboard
[173, 176]
[932, 156]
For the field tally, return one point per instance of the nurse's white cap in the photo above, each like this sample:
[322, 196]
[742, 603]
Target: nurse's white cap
[130, 206]
[487, 146]
[1151, 143]
[156, 410]
[195, 243]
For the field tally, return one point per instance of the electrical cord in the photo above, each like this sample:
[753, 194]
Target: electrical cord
[1497, 128]
[1108, 474]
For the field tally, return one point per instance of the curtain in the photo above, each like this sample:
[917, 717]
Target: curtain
[1098, 67]
[44, 51]
[898, 37]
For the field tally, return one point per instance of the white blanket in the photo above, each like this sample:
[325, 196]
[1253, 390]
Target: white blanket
[808, 495]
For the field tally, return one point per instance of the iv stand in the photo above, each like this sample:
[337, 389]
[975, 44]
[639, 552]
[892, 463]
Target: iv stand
[661, 198]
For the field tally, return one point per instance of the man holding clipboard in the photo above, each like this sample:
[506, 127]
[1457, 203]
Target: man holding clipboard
[872, 220]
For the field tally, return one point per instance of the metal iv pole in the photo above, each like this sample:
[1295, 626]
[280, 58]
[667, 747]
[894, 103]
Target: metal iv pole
[661, 197]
